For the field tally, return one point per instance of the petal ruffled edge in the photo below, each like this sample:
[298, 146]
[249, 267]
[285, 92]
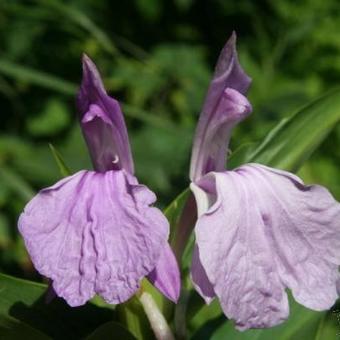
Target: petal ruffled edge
[244, 211]
[70, 235]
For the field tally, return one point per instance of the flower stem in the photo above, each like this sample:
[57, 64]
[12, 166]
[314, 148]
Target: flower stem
[157, 320]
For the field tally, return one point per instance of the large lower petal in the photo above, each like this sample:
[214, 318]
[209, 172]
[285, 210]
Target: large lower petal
[94, 233]
[264, 232]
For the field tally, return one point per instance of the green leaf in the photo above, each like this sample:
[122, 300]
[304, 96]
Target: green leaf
[240, 155]
[302, 324]
[64, 170]
[13, 329]
[329, 327]
[111, 330]
[174, 211]
[294, 139]
[132, 316]
[25, 302]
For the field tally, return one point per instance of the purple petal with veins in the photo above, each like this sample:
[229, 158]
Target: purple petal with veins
[209, 149]
[102, 123]
[224, 105]
[94, 233]
[165, 276]
[261, 231]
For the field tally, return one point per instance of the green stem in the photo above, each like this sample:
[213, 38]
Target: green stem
[157, 320]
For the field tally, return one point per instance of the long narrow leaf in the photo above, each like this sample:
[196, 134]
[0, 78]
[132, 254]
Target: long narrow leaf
[64, 170]
[294, 139]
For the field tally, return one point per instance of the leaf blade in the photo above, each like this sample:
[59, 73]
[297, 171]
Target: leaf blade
[295, 138]
[63, 168]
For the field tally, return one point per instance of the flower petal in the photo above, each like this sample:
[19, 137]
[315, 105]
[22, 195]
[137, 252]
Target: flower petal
[228, 74]
[212, 135]
[200, 279]
[94, 233]
[165, 276]
[102, 123]
[267, 231]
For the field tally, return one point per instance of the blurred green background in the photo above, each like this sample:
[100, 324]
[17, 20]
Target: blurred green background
[156, 58]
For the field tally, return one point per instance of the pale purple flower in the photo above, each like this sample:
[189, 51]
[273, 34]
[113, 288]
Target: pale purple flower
[96, 232]
[259, 230]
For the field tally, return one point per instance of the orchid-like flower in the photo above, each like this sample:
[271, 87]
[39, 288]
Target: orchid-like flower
[259, 230]
[96, 232]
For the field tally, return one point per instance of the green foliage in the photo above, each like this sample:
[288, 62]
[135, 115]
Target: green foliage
[64, 170]
[156, 58]
[24, 303]
[302, 324]
[293, 140]
[51, 121]
[31, 76]
[12, 329]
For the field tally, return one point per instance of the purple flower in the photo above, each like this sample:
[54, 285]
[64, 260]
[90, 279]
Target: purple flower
[259, 230]
[96, 232]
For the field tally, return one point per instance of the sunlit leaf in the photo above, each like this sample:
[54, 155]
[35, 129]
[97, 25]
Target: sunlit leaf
[329, 327]
[302, 324]
[64, 170]
[294, 139]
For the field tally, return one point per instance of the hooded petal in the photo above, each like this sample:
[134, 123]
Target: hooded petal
[211, 143]
[102, 123]
[266, 231]
[224, 96]
[228, 73]
[94, 233]
[166, 277]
